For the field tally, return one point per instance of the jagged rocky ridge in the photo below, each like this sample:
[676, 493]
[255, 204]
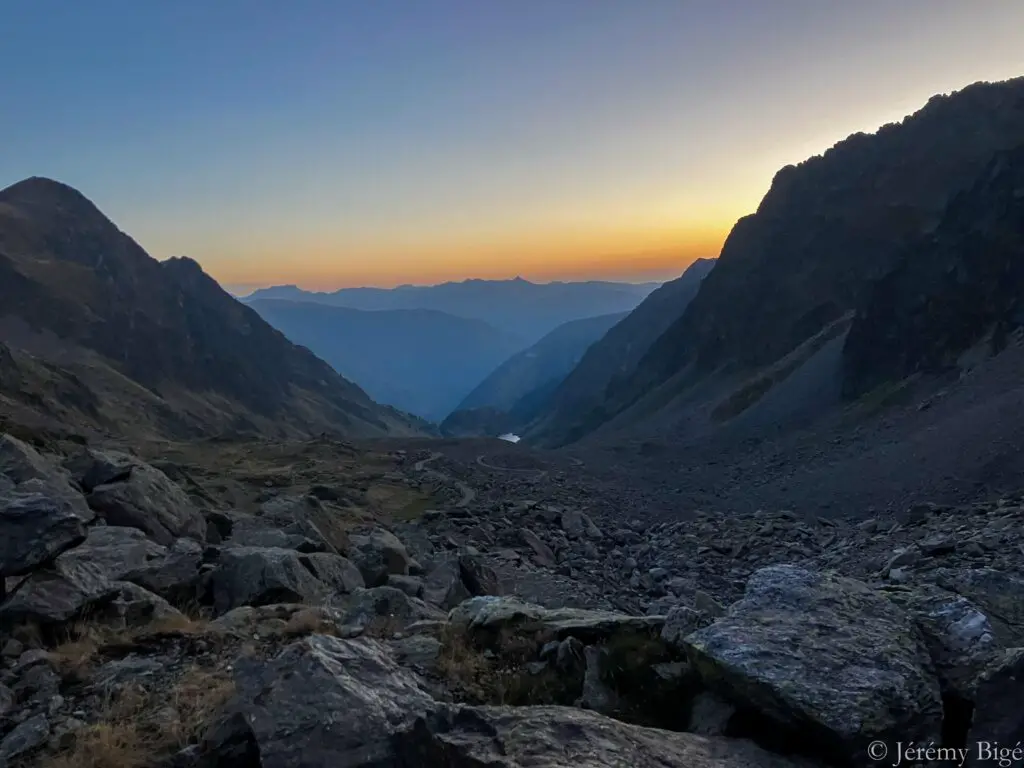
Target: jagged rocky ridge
[825, 231]
[144, 626]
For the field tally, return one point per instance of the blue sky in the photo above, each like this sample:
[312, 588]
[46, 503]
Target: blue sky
[383, 142]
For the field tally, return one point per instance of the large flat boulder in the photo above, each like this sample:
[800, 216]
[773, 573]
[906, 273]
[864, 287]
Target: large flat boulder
[564, 737]
[825, 657]
[323, 702]
[148, 500]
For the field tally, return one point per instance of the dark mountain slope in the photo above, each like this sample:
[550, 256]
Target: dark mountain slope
[76, 291]
[824, 232]
[420, 360]
[962, 285]
[544, 364]
[578, 400]
[518, 307]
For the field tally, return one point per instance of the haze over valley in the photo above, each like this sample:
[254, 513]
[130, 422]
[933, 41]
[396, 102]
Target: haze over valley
[527, 385]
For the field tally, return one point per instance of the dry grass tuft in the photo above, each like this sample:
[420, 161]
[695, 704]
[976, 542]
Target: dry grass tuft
[138, 727]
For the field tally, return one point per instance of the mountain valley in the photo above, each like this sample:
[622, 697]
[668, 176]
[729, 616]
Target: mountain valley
[763, 515]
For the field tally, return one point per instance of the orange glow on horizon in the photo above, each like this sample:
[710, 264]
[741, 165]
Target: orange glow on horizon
[653, 256]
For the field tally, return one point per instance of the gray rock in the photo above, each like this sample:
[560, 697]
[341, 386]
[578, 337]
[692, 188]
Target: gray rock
[412, 585]
[418, 651]
[38, 521]
[57, 595]
[597, 695]
[378, 555]
[29, 736]
[822, 652]
[175, 576]
[92, 468]
[148, 500]
[133, 606]
[8, 702]
[20, 462]
[563, 737]
[959, 636]
[115, 550]
[998, 717]
[337, 573]
[325, 703]
[443, 585]
[998, 594]
[578, 525]
[542, 553]
[386, 608]
[249, 576]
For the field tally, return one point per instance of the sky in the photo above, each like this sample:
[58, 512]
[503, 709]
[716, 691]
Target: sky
[332, 143]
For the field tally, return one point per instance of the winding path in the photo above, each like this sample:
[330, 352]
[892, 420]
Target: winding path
[468, 494]
[538, 474]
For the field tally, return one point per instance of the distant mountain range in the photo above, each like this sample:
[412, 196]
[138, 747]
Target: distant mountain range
[420, 360]
[517, 307]
[96, 335]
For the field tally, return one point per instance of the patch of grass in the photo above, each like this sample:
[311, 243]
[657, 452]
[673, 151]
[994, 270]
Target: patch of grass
[138, 727]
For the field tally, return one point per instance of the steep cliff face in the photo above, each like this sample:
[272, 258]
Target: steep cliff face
[826, 230]
[959, 286]
[73, 286]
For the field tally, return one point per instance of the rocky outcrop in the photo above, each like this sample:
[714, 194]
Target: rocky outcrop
[146, 499]
[823, 656]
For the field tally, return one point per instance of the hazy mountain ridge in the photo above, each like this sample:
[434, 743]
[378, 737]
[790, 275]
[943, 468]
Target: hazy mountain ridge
[544, 364]
[519, 307]
[79, 293]
[824, 233]
[562, 413]
[420, 360]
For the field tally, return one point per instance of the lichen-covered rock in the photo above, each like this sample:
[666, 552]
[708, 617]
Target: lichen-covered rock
[826, 656]
[564, 737]
[959, 636]
[38, 521]
[148, 500]
[325, 702]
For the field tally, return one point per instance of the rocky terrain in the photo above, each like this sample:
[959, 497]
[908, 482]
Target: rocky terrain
[470, 603]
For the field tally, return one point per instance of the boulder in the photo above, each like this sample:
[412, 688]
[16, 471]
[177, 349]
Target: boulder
[58, 594]
[998, 594]
[20, 462]
[542, 553]
[411, 585]
[998, 717]
[252, 576]
[578, 525]
[386, 609]
[115, 550]
[458, 578]
[323, 702]
[337, 573]
[91, 468]
[148, 500]
[823, 656]
[254, 532]
[960, 638]
[27, 737]
[176, 576]
[563, 737]
[378, 555]
[38, 521]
